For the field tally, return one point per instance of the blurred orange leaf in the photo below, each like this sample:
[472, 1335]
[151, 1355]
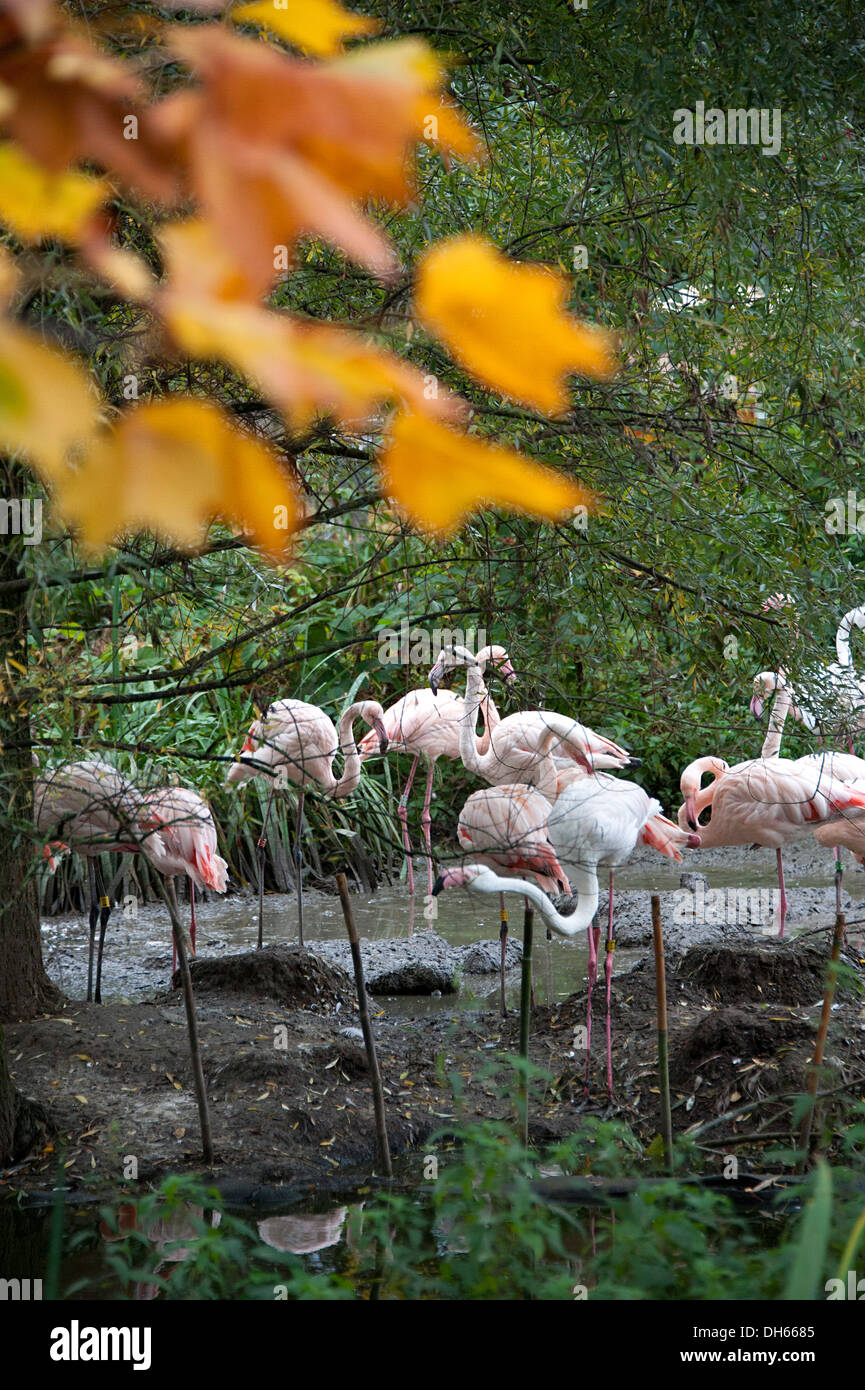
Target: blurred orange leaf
[46, 404]
[438, 477]
[36, 202]
[506, 323]
[171, 466]
[315, 26]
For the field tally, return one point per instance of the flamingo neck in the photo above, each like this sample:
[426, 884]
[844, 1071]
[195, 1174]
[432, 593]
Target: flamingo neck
[587, 904]
[351, 768]
[777, 719]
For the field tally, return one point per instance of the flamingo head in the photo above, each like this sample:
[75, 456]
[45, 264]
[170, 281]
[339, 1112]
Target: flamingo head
[448, 658]
[765, 685]
[480, 878]
[372, 714]
[499, 659]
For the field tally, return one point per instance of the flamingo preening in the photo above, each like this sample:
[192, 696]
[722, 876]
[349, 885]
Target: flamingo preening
[428, 724]
[298, 741]
[92, 808]
[529, 746]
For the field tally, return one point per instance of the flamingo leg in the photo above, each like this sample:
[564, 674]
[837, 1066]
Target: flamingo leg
[402, 812]
[94, 918]
[608, 976]
[104, 914]
[503, 940]
[173, 940]
[780, 864]
[426, 821]
[594, 934]
[839, 875]
[298, 859]
[192, 922]
[261, 846]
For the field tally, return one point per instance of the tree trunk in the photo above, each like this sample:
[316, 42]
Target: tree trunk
[25, 989]
[23, 1123]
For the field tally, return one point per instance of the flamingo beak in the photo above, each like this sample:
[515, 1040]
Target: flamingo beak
[438, 885]
[507, 672]
[691, 811]
[634, 762]
[383, 740]
[756, 707]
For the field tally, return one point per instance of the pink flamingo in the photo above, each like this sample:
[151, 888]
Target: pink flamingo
[596, 823]
[298, 742]
[181, 839]
[428, 724]
[845, 766]
[525, 747]
[766, 801]
[506, 828]
[90, 808]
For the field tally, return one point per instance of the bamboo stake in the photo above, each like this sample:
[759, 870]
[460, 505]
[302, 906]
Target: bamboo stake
[525, 1018]
[168, 894]
[822, 1031]
[369, 1040]
[663, 1048]
[261, 846]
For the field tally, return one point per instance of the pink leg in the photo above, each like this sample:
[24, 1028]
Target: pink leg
[402, 812]
[608, 975]
[192, 922]
[780, 863]
[839, 874]
[426, 821]
[503, 942]
[173, 950]
[594, 934]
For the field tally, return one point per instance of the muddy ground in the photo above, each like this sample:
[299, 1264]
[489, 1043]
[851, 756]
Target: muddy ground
[289, 1085]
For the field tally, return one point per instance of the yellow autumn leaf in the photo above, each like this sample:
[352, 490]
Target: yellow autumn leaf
[171, 466]
[315, 26]
[438, 477]
[46, 404]
[305, 369]
[37, 202]
[9, 276]
[506, 322]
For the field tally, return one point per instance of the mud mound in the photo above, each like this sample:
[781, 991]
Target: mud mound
[271, 1065]
[289, 974]
[734, 1034]
[422, 964]
[757, 973]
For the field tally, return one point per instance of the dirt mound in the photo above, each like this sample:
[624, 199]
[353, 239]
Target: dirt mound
[728, 1032]
[759, 973]
[289, 974]
[274, 1065]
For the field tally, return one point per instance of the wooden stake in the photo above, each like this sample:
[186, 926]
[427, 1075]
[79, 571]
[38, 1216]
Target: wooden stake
[191, 1020]
[663, 1050]
[822, 1031]
[525, 1018]
[369, 1040]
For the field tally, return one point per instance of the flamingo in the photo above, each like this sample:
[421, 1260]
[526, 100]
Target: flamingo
[90, 808]
[506, 828]
[837, 683]
[596, 823]
[428, 724]
[298, 741]
[181, 839]
[846, 767]
[524, 746]
[765, 801]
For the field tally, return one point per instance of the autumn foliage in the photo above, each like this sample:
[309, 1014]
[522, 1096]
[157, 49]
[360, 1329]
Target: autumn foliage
[258, 149]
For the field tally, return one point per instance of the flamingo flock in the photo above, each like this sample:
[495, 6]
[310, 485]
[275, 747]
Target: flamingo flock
[552, 818]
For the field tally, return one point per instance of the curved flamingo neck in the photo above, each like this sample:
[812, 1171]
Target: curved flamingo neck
[587, 903]
[351, 769]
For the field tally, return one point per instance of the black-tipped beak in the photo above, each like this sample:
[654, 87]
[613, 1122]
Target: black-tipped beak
[692, 823]
[382, 735]
[433, 685]
[438, 885]
[634, 762]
